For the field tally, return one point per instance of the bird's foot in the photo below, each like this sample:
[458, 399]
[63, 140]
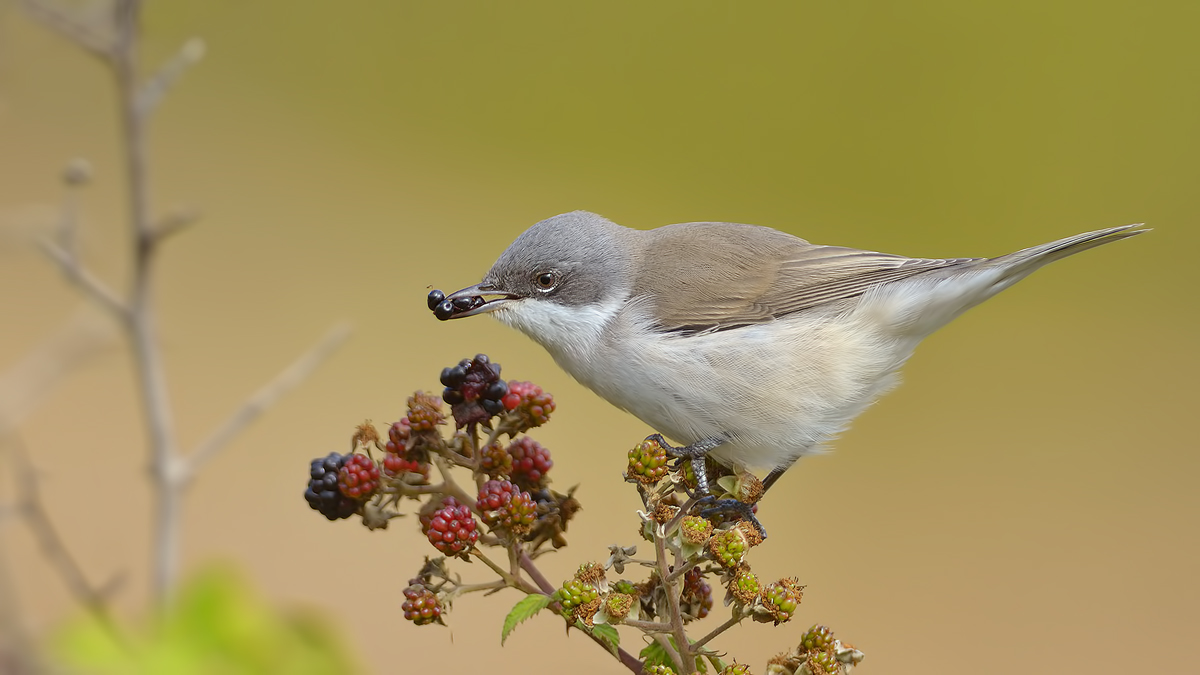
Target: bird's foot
[694, 453]
[713, 506]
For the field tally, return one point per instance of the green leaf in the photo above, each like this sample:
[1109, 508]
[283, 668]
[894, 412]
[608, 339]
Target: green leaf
[610, 636]
[525, 608]
[655, 655]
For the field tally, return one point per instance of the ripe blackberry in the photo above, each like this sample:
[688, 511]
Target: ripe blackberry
[728, 547]
[474, 390]
[452, 530]
[696, 598]
[647, 462]
[323, 494]
[425, 412]
[421, 606]
[495, 461]
[531, 461]
[504, 506]
[359, 477]
[781, 598]
[530, 403]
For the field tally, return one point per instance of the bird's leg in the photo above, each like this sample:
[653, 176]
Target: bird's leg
[695, 453]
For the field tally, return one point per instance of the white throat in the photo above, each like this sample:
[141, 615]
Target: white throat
[570, 334]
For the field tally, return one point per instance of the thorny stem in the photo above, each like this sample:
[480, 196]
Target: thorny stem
[677, 630]
[670, 650]
[648, 626]
[729, 623]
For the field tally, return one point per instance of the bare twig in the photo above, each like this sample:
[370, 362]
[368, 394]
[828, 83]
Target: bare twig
[156, 86]
[77, 274]
[82, 31]
[672, 591]
[288, 379]
[30, 507]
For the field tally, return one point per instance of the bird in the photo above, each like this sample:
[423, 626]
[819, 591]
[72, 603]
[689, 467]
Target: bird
[746, 344]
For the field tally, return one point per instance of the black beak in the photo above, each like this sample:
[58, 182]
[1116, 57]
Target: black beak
[468, 302]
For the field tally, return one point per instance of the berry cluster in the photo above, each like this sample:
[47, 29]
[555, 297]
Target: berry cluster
[529, 402]
[735, 669]
[659, 669]
[359, 477]
[505, 507]
[695, 530]
[452, 529]
[728, 547]
[780, 599]
[424, 412]
[579, 600]
[495, 461]
[744, 586]
[323, 493]
[421, 606]
[530, 462]
[474, 390]
[696, 599]
[647, 462]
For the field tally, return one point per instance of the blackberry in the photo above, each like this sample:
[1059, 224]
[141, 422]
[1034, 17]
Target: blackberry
[532, 405]
[398, 437]
[421, 606]
[435, 298]
[452, 530]
[745, 587]
[696, 598]
[735, 669]
[781, 598]
[618, 605]
[695, 530]
[504, 506]
[474, 390]
[495, 461]
[397, 466]
[728, 547]
[647, 462]
[323, 494]
[359, 477]
[425, 412]
[818, 638]
[823, 663]
[531, 461]
[579, 600]
[658, 669]
[425, 515]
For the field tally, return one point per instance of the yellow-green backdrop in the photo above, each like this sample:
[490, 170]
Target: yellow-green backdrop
[1027, 501]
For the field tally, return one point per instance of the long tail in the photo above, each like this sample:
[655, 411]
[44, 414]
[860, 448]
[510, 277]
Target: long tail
[1027, 260]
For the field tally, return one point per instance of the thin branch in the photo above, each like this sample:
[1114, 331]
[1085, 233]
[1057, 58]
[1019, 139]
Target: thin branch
[71, 27]
[729, 623]
[673, 654]
[288, 379]
[152, 92]
[677, 629]
[174, 222]
[79, 275]
[31, 508]
[648, 626]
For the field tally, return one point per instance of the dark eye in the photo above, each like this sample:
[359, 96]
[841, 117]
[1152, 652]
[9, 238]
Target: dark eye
[546, 280]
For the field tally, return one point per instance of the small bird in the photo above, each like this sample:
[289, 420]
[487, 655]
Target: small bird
[742, 342]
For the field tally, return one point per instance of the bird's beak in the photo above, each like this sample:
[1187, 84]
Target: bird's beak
[470, 301]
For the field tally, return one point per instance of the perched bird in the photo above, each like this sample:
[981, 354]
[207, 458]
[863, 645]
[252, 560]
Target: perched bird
[742, 342]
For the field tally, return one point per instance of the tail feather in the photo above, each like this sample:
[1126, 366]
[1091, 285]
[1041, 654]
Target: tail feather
[1027, 260]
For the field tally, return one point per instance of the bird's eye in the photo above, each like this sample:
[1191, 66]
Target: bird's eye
[546, 280]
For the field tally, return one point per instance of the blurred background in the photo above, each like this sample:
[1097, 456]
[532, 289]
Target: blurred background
[1026, 500]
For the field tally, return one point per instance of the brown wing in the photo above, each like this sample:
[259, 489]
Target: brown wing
[724, 275]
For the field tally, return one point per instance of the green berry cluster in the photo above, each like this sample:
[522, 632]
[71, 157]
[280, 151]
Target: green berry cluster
[647, 462]
[735, 669]
[658, 670]
[695, 530]
[506, 507]
[781, 598]
[579, 600]
[818, 638]
[728, 547]
[744, 587]
[823, 663]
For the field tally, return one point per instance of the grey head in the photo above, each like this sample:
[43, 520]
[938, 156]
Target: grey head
[574, 259]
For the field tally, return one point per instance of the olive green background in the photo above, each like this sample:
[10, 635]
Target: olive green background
[1026, 501]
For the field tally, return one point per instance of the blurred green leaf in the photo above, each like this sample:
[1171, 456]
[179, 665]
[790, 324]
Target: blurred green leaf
[218, 625]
